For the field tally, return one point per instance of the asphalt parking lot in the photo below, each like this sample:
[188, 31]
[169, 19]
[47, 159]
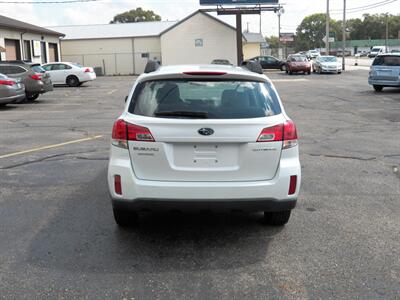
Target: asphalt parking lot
[59, 240]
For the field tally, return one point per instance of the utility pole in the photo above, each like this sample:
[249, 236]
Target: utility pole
[387, 32]
[239, 37]
[344, 37]
[260, 19]
[279, 12]
[327, 28]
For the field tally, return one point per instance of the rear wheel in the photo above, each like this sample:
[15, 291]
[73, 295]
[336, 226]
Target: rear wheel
[277, 218]
[290, 72]
[378, 88]
[72, 81]
[309, 72]
[32, 97]
[125, 218]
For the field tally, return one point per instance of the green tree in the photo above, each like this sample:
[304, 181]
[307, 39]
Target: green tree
[311, 31]
[273, 41]
[136, 15]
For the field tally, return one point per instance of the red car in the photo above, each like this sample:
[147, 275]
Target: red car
[298, 63]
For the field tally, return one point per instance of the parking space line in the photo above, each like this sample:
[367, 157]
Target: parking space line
[111, 92]
[51, 146]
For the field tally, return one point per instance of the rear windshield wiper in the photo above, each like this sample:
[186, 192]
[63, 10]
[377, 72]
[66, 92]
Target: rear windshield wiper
[179, 113]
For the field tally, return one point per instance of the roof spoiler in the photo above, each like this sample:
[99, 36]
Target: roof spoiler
[152, 66]
[252, 66]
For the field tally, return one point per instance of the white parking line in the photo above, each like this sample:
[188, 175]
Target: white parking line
[51, 146]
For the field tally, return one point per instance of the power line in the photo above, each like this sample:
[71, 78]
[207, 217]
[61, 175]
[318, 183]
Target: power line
[366, 7]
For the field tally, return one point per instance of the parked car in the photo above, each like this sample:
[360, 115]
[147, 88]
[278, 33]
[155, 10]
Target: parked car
[385, 71]
[33, 76]
[311, 54]
[71, 74]
[11, 90]
[395, 51]
[204, 137]
[376, 51]
[362, 53]
[270, 62]
[327, 64]
[221, 62]
[298, 63]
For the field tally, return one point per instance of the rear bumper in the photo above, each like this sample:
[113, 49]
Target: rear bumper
[87, 77]
[203, 205]
[384, 82]
[11, 99]
[39, 88]
[243, 195]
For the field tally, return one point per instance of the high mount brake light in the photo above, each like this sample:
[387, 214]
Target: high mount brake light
[87, 70]
[124, 132]
[285, 132]
[204, 73]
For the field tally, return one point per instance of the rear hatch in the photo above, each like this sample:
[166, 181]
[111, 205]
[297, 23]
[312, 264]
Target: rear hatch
[44, 76]
[386, 68]
[205, 130]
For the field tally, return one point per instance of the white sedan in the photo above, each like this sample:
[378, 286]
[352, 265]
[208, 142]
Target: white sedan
[327, 64]
[204, 137]
[72, 74]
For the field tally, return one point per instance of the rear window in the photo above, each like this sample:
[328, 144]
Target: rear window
[298, 58]
[205, 99]
[38, 69]
[387, 61]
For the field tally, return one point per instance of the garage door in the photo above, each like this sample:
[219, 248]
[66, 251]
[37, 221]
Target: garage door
[53, 53]
[12, 49]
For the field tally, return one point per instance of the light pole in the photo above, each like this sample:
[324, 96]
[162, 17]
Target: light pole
[344, 37]
[279, 12]
[327, 28]
[387, 32]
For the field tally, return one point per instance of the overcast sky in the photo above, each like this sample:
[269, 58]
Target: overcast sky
[102, 12]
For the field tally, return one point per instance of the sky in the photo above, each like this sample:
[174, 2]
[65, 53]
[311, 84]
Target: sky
[101, 12]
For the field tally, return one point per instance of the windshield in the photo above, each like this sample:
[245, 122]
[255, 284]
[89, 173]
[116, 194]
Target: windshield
[328, 59]
[375, 49]
[200, 99]
[299, 58]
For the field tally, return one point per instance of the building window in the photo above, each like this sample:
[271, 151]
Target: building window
[146, 55]
[27, 50]
[198, 42]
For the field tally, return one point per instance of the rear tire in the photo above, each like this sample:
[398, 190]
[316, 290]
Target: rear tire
[72, 81]
[277, 218]
[378, 88]
[31, 98]
[309, 72]
[290, 72]
[125, 218]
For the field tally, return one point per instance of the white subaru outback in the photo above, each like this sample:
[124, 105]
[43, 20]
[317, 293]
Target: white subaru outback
[201, 137]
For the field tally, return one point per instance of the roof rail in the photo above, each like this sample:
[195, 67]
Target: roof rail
[253, 66]
[151, 66]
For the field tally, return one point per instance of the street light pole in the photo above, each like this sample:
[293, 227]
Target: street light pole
[387, 32]
[327, 28]
[344, 37]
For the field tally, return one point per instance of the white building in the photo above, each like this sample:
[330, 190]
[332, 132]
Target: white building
[20, 40]
[122, 49]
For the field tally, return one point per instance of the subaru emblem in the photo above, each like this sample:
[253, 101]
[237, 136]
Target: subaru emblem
[205, 131]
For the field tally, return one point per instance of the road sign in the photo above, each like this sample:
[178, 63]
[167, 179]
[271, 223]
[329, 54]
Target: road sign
[236, 2]
[286, 37]
[331, 39]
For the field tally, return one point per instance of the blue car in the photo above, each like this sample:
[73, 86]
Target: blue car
[385, 71]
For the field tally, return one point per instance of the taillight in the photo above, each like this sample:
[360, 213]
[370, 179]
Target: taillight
[7, 82]
[285, 132]
[87, 70]
[292, 185]
[36, 76]
[124, 132]
[117, 184]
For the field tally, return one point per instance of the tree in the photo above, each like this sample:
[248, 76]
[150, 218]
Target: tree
[311, 31]
[273, 41]
[136, 15]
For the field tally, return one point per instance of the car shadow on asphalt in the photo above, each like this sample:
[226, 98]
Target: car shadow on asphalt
[82, 237]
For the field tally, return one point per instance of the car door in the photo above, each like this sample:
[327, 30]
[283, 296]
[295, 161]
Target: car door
[273, 63]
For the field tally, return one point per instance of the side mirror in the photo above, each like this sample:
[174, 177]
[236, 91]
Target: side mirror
[126, 98]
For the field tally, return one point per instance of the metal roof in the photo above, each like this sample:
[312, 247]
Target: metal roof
[253, 37]
[15, 24]
[120, 30]
[366, 43]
